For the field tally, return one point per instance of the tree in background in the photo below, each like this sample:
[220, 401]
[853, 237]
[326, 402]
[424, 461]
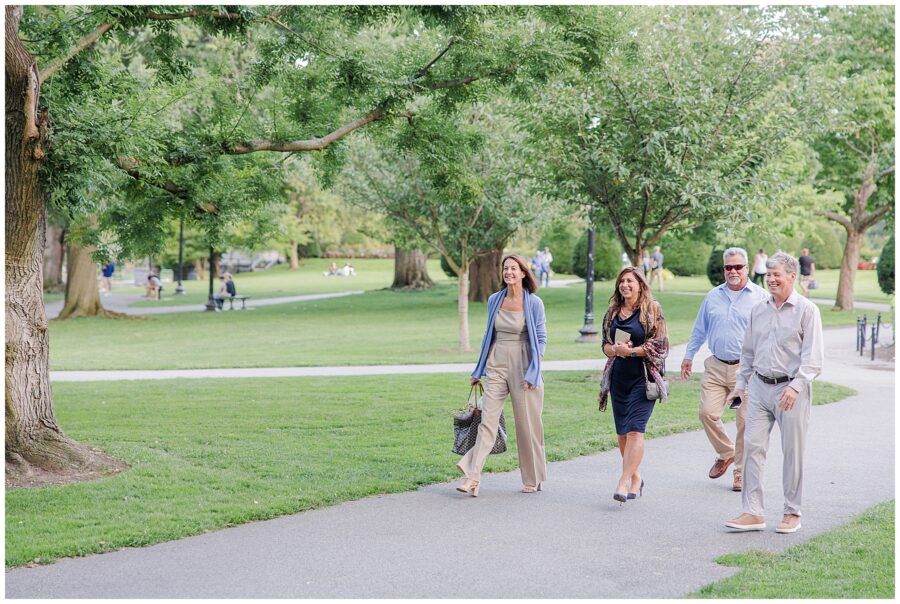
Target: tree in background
[448, 182]
[677, 123]
[857, 152]
[380, 179]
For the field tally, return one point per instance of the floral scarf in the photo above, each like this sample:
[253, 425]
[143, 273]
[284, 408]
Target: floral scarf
[656, 346]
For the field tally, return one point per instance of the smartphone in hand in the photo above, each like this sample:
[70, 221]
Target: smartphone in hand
[736, 403]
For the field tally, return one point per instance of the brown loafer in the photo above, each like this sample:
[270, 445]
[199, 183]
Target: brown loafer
[719, 467]
[738, 483]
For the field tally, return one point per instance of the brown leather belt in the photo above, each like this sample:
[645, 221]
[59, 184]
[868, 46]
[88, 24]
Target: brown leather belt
[771, 381]
[727, 362]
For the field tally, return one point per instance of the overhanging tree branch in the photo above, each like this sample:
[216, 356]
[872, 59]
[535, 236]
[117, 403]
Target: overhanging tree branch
[885, 172]
[838, 218]
[83, 44]
[312, 144]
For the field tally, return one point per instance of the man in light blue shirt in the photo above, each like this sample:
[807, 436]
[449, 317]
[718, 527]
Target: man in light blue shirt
[721, 323]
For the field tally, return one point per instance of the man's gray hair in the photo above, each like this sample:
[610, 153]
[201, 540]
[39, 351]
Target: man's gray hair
[784, 259]
[735, 251]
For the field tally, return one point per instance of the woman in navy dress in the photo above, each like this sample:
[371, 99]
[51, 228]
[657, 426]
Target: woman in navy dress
[636, 355]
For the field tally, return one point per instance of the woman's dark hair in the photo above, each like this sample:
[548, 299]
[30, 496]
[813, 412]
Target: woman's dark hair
[528, 280]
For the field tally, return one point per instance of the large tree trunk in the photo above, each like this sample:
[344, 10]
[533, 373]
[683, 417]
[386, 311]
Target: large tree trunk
[411, 270]
[463, 306]
[295, 256]
[849, 264]
[200, 267]
[856, 223]
[82, 292]
[54, 253]
[484, 276]
[37, 451]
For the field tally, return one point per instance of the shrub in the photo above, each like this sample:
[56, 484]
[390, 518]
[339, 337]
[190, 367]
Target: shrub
[607, 257]
[825, 247]
[885, 268]
[561, 238]
[715, 268]
[310, 249]
[685, 256]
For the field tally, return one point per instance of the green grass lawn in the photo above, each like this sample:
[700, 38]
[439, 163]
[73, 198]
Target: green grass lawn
[378, 327]
[215, 453]
[279, 281]
[852, 561]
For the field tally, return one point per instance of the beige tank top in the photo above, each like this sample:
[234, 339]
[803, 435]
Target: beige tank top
[510, 326]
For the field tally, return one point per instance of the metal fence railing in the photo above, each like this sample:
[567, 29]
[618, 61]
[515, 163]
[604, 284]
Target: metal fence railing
[862, 323]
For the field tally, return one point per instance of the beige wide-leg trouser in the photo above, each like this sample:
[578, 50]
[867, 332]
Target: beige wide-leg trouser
[718, 380]
[505, 373]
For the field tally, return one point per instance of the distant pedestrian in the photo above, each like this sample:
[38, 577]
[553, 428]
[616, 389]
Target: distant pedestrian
[807, 270]
[510, 365]
[106, 274]
[645, 264]
[625, 261]
[721, 323]
[781, 356]
[636, 343]
[656, 264]
[759, 268]
[545, 259]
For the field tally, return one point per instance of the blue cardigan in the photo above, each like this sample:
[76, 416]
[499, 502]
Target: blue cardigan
[537, 334]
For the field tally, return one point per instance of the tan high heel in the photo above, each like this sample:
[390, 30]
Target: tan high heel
[530, 489]
[470, 487]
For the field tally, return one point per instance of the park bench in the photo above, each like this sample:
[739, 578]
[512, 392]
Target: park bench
[242, 297]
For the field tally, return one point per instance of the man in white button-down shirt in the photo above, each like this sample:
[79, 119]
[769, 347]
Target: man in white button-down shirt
[781, 355]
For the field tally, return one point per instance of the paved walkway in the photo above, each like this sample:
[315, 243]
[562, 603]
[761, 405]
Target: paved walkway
[119, 302]
[570, 541]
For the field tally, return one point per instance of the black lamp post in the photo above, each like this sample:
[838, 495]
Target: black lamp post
[211, 302]
[588, 331]
[180, 289]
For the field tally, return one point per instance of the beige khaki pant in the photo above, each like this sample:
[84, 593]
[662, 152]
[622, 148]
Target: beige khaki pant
[763, 412]
[505, 373]
[718, 380]
[656, 274]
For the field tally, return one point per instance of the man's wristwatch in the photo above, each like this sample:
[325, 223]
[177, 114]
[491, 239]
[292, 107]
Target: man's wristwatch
[633, 354]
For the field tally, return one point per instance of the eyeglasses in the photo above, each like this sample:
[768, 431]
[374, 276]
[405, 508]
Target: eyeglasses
[734, 267]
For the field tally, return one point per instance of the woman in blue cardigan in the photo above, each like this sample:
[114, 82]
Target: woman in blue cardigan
[510, 364]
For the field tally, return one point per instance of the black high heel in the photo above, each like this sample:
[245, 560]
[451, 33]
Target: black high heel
[640, 492]
[620, 497]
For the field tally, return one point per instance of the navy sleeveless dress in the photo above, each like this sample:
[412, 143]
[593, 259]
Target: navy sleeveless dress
[630, 406]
